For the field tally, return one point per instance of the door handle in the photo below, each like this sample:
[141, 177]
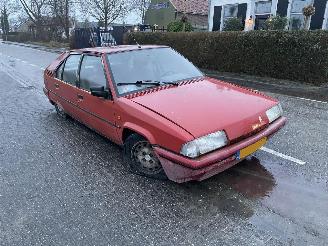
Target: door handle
[57, 86]
[80, 97]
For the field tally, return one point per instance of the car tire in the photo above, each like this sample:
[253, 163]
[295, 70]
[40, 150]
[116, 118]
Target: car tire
[141, 159]
[60, 111]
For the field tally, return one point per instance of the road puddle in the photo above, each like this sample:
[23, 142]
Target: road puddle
[264, 193]
[250, 178]
[289, 204]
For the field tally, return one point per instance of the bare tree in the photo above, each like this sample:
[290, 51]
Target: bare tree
[10, 6]
[4, 20]
[140, 6]
[36, 10]
[7, 7]
[61, 14]
[105, 11]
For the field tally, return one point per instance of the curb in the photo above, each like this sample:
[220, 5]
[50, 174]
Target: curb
[295, 89]
[38, 47]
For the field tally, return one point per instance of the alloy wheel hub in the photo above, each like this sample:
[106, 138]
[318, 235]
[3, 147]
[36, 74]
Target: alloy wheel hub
[143, 153]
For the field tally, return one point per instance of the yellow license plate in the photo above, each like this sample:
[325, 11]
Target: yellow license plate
[243, 153]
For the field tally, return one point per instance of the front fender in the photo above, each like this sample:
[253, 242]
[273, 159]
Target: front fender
[140, 130]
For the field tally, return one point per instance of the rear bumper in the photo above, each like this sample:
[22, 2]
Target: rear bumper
[182, 169]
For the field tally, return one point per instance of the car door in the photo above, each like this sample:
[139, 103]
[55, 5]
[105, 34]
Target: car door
[66, 85]
[98, 113]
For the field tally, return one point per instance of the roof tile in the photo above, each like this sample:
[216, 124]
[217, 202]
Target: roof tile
[191, 6]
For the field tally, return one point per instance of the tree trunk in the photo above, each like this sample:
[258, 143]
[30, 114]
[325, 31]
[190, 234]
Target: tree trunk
[38, 27]
[106, 19]
[307, 22]
[143, 13]
[67, 20]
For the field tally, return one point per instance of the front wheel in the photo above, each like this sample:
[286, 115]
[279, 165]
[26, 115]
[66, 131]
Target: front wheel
[141, 158]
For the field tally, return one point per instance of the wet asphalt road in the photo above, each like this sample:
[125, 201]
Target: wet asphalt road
[62, 184]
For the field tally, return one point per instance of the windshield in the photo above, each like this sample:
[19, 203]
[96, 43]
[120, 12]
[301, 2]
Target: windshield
[149, 65]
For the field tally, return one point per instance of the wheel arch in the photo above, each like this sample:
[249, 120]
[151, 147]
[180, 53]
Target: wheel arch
[130, 128]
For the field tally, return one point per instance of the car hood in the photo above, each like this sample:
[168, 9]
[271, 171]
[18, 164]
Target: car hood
[208, 105]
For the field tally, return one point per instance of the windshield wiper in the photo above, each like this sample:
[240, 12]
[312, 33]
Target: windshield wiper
[170, 83]
[148, 82]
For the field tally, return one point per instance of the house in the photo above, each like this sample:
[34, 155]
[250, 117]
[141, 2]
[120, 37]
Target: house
[255, 12]
[160, 12]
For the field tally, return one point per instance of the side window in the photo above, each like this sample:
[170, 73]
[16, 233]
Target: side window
[59, 72]
[71, 68]
[92, 73]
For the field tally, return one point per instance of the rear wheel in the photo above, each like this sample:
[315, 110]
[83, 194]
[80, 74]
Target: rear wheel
[141, 158]
[60, 111]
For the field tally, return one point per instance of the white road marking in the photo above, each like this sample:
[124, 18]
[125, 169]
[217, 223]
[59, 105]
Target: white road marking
[286, 157]
[311, 100]
[18, 59]
[15, 77]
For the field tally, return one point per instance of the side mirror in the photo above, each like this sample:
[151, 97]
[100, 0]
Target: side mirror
[100, 92]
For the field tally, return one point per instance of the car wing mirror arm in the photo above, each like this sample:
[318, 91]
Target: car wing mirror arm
[101, 92]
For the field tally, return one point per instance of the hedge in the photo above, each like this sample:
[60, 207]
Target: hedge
[292, 55]
[19, 37]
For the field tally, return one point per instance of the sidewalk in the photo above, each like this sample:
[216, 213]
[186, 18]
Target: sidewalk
[38, 47]
[286, 87]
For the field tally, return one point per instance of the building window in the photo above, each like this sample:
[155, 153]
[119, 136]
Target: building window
[325, 21]
[262, 13]
[263, 7]
[230, 10]
[298, 5]
[296, 21]
[296, 15]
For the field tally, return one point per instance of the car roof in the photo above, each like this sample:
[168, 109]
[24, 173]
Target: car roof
[118, 48]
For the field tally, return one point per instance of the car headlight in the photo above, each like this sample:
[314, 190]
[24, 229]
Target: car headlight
[274, 113]
[204, 144]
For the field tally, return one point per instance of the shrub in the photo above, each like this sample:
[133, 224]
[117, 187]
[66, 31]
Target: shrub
[276, 22]
[294, 55]
[177, 26]
[308, 11]
[233, 24]
[20, 37]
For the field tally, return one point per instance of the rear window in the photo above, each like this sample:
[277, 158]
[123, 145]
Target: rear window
[92, 73]
[71, 68]
[59, 72]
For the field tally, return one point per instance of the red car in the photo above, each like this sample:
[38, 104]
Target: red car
[172, 121]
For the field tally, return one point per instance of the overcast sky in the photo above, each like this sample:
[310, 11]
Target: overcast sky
[132, 18]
